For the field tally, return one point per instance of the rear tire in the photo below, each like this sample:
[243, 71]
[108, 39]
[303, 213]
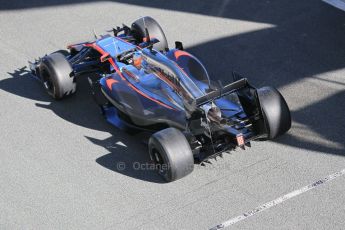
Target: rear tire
[275, 110]
[154, 29]
[171, 152]
[55, 73]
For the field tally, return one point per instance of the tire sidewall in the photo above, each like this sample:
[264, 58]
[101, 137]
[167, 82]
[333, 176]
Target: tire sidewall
[58, 69]
[56, 92]
[177, 154]
[155, 144]
[275, 110]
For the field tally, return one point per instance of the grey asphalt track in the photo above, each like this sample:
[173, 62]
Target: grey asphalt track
[58, 159]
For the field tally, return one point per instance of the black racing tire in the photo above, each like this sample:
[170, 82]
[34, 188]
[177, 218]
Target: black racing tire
[275, 111]
[154, 29]
[63, 52]
[171, 152]
[55, 71]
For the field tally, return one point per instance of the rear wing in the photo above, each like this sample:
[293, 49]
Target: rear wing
[248, 97]
[246, 93]
[218, 93]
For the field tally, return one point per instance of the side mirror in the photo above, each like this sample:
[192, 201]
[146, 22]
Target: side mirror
[148, 44]
[105, 57]
[178, 45]
[154, 40]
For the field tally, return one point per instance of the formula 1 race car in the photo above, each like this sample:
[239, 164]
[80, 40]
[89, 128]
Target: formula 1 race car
[140, 84]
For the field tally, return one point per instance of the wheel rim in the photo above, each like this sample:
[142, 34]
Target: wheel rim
[47, 81]
[159, 162]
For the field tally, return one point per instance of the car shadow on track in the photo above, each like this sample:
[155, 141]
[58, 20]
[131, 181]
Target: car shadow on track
[127, 158]
[80, 109]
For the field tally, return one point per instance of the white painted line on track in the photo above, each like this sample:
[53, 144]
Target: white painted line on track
[277, 201]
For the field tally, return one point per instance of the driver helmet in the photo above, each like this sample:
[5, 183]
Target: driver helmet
[137, 59]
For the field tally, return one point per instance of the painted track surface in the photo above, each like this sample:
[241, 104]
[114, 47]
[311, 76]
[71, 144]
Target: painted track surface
[58, 159]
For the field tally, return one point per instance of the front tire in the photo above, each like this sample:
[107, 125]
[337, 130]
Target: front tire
[154, 29]
[55, 71]
[171, 152]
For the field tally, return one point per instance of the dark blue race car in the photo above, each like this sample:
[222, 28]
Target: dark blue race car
[140, 84]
